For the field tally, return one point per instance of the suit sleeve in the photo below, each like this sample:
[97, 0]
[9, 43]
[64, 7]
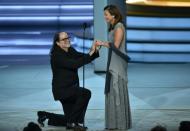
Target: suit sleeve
[64, 62]
[76, 53]
[94, 56]
[79, 54]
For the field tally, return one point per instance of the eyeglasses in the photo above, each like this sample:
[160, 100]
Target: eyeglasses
[67, 38]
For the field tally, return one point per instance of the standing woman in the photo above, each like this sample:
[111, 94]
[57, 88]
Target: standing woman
[117, 107]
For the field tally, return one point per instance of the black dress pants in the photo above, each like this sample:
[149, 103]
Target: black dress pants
[74, 108]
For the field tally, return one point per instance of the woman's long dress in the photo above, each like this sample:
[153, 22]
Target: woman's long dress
[117, 107]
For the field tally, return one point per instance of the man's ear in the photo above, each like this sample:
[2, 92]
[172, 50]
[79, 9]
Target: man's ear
[57, 43]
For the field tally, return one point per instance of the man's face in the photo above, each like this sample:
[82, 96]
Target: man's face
[64, 40]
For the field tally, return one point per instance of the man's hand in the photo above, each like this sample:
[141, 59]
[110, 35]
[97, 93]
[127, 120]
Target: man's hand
[92, 49]
[98, 43]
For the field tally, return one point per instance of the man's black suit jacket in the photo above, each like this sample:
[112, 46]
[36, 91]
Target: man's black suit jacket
[64, 67]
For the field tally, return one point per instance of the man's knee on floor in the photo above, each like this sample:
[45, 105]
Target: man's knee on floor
[87, 93]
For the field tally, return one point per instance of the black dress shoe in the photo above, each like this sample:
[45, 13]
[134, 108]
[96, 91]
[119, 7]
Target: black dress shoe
[81, 125]
[79, 128]
[41, 117]
[70, 126]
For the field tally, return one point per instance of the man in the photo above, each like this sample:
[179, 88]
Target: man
[65, 61]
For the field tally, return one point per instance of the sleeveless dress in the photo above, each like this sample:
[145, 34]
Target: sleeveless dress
[117, 107]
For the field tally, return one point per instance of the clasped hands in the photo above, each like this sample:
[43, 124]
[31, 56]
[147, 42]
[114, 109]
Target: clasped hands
[95, 46]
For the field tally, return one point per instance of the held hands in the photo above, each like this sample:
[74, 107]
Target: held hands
[96, 46]
[99, 44]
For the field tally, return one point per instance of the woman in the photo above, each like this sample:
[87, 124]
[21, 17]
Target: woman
[117, 108]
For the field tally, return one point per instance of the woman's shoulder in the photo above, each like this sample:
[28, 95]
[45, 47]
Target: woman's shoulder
[119, 24]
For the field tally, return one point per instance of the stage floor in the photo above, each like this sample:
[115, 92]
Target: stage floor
[159, 94]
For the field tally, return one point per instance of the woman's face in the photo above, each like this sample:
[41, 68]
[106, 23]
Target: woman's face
[108, 17]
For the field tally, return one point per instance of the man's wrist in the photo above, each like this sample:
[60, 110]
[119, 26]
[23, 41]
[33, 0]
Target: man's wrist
[90, 53]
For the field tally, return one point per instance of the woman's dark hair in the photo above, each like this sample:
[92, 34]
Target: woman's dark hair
[114, 11]
[55, 39]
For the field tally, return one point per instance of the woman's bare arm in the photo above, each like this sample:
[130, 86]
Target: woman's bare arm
[118, 37]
